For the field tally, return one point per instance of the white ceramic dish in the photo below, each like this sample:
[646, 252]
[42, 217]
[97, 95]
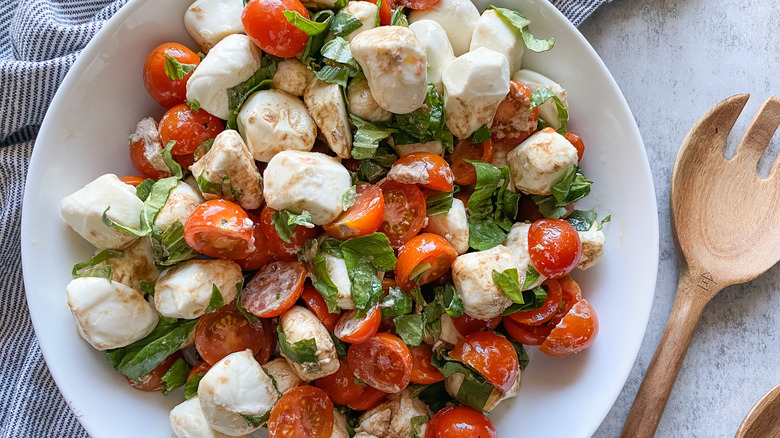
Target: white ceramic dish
[85, 135]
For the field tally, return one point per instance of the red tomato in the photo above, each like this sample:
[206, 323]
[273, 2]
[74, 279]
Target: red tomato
[527, 334]
[554, 247]
[460, 422]
[571, 293]
[340, 386]
[515, 120]
[132, 180]
[383, 362]
[164, 90]
[269, 342]
[404, 212]
[281, 249]
[576, 141]
[274, 289]
[152, 382]
[416, 4]
[439, 176]
[423, 370]
[265, 23]
[352, 330]
[464, 172]
[316, 303]
[187, 128]
[547, 311]
[142, 148]
[527, 210]
[466, 325]
[362, 218]
[492, 355]
[220, 229]
[423, 259]
[200, 367]
[261, 255]
[385, 15]
[574, 333]
[302, 412]
[226, 331]
[369, 399]
[185, 161]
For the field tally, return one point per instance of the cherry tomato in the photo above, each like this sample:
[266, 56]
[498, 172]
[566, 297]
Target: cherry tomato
[369, 399]
[554, 247]
[187, 128]
[466, 325]
[527, 334]
[416, 4]
[423, 370]
[383, 362]
[152, 382]
[220, 229]
[460, 422]
[274, 289]
[362, 218]
[439, 176]
[200, 367]
[492, 355]
[547, 311]
[574, 333]
[423, 259]
[527, 210]
[143, 149]
[352, 330]
[281, 249]
[185, 161]
[515, 120]
[340, 386]
[570, 294]
[226, 331]
[302, 412]
[265, 23]
[132, 180]
[269, 341]
[385, 15]
[261, 255]
[404, 212]
[164, 90]
[316, 303]
[576, 141]
[464, 172]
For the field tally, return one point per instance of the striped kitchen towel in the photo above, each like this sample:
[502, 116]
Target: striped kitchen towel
[39, 41]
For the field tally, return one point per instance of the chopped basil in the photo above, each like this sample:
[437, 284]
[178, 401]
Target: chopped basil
[170, 247]
[348, 198]
[89, 268]
[439, 203]
[303, 351]
[604, 221]
[144, 189]
[434, 395]
[481, 135]
[445, 300]
[424, 124]
[203, 149]
[250, 317]
[194, 105]
[167, 156]
[333, 75]
[417, 422]
[531, 276]
[410, 328]
[396, 303]
[176, 376]
[572, 187]
[581, 220]
[342, 347]
[147, 288]
[522, 356]
[285, 221]
[533, 299]
[256, 421]
[519, 22]
[152, 206]
[175, 70]
[216, 299]
[344, 24]
[238, 94]
[542, 95]
[509, 283]
[399, 18]
[492, 207]
[475, 390]
[364, 256]
[191, 387]
[323, 283]
[223, 189]
[311, 27]
[337, 50]
[366, 138]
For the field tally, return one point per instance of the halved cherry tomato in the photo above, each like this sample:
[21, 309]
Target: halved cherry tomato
[570, 294]
[404, 212]
[527, 334]
[187, 128]
[261, 255]
[416, 4]
[281, 249]
[492, 355]
[220, 229]
[355, 331]
[269, 343]
[423, 370]
[423, 259]
[265, 23]
[547, 311]
[144, 147]
[302, 412]
[466, 325]
[340, 386]
[316, 303]
[515, 120]
[152, 382]
[385, 15]
[226, 331]
[132, 180]
[460, 422]
[576, 141]
[465, 173]
[554, 247]
[362, 218]
[384, 362]
[274, 289]
[369, 399]
[576, 331]
[200, 367]
[439, 174]
[164, 90]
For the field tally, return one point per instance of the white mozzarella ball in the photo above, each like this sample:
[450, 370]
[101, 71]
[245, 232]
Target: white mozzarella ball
[457, 17]
[83, 211]
[493, 33]
[437, 48]
[229, 161]
[326, 105]
[453, 226]
[540, 161]
[394, 62]
[185, 290]
[187, 421]
[337, 271]
[592, 246]
[209, 21]
[147, 132]
[434, 147]
[284, 376]
[339, 425]
[517, 242]
[453, 383]
[362, 103]
[299, 324]
[472, 274]
[298, 181]
[182, 200]
[272, 121]
[292, 76]
[393, 418]
[474, 86]
[365, 12]
[236, 386]
[230, 62]
[535, 81]
[449, 333]
[136, 264]
[109, 314]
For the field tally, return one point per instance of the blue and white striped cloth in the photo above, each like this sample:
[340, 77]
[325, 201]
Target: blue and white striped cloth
[39, 41]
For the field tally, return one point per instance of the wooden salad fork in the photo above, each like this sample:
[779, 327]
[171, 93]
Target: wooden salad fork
[726, 221]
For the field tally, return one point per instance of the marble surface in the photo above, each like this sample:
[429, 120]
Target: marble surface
[674, 59]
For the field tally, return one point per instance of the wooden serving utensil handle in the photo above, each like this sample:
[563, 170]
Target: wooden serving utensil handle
[659, 379]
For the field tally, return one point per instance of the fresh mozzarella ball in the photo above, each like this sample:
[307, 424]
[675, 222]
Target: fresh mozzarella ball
[493, 33]
[136, 264]
[453, 226]
[472, 274]
[147, 132]
[534, 81]
[540, 161]
[362, 103]
[453, 383]
[394, 62]
[236, 386]
[182, 200]
[437, 48]
[284, 376]
[457, 17]
[83, 211]
[434, 147]
[298, 181]
[185, 290]
[337, 271]
[326, 105]
[109, 314]
[393, 418]
[229, 156]
[339, 425]
[209, 21]
[272, 121]
[592, 246]
[449, 333]
[365, 12]
[298, 324]
[187, 421]
[517, 242]
[292, 77]
[474, 86]
[230, 62]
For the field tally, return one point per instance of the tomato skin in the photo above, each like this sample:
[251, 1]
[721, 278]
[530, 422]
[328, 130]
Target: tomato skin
[465, 173]
[466, 325]
[423, 370]
[369, 399]
[302, 412]
[576, 331]
[576, 141]
[187, 128]
[404, 212]
[527, 210]
[355, 331]
[274, 289]
[340, 386]
[266, 25]
[554, 247]
[316, 303]
[261, 255]
[362, 218]
[162, 89]
[547, 311]
[385, 14]
[426, 248]
[226, 331]
[492, 355]
[145, 142]
[515, 120]
[200, 367]
[134, 181]
[416, 4]
[440, 175]
[219, 229]
[460, 422]
[383, 362]
[281, 249]
[527, 334]
[152, 382]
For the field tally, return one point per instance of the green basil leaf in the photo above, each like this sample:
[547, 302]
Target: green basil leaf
[533, 298]
[399, 18]
[439, 203]
[170, 247]
[89, 268]
[509, 283]
[334, 75]
[450, 300]
[337, 50]
[481, 135]
[285, 221]
[520, 23]
[531, 276]
[256, 421]
[147, 288]
[311, 27]
[396, 303]
[344, 24]
[342, 348]
[216, 299]
[194, 105]
[417, 422]
[238, 94]
[435, 396]
[424, 124]
[152, 206]
[474, 390]
[542, 95]
[548, 206]
[364, 256]
[191, 387]
[374, 249]
[224, 189]
[175, 70]
[167, 156]
[348, 198]
[366, 138]
[323, 283]
[144, 189]
[581, 220]
[303, 351]
[203, 149]
[176, 376]
[604, 221]
[522, 356]
[141, 357]
[410, 328]
[370, 171]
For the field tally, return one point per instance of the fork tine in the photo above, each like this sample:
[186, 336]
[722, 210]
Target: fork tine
[759, 133]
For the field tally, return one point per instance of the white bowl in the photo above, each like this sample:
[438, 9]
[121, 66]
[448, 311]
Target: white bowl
[85, 135]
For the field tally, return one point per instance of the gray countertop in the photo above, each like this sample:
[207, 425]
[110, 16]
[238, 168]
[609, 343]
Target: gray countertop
[674, 59]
